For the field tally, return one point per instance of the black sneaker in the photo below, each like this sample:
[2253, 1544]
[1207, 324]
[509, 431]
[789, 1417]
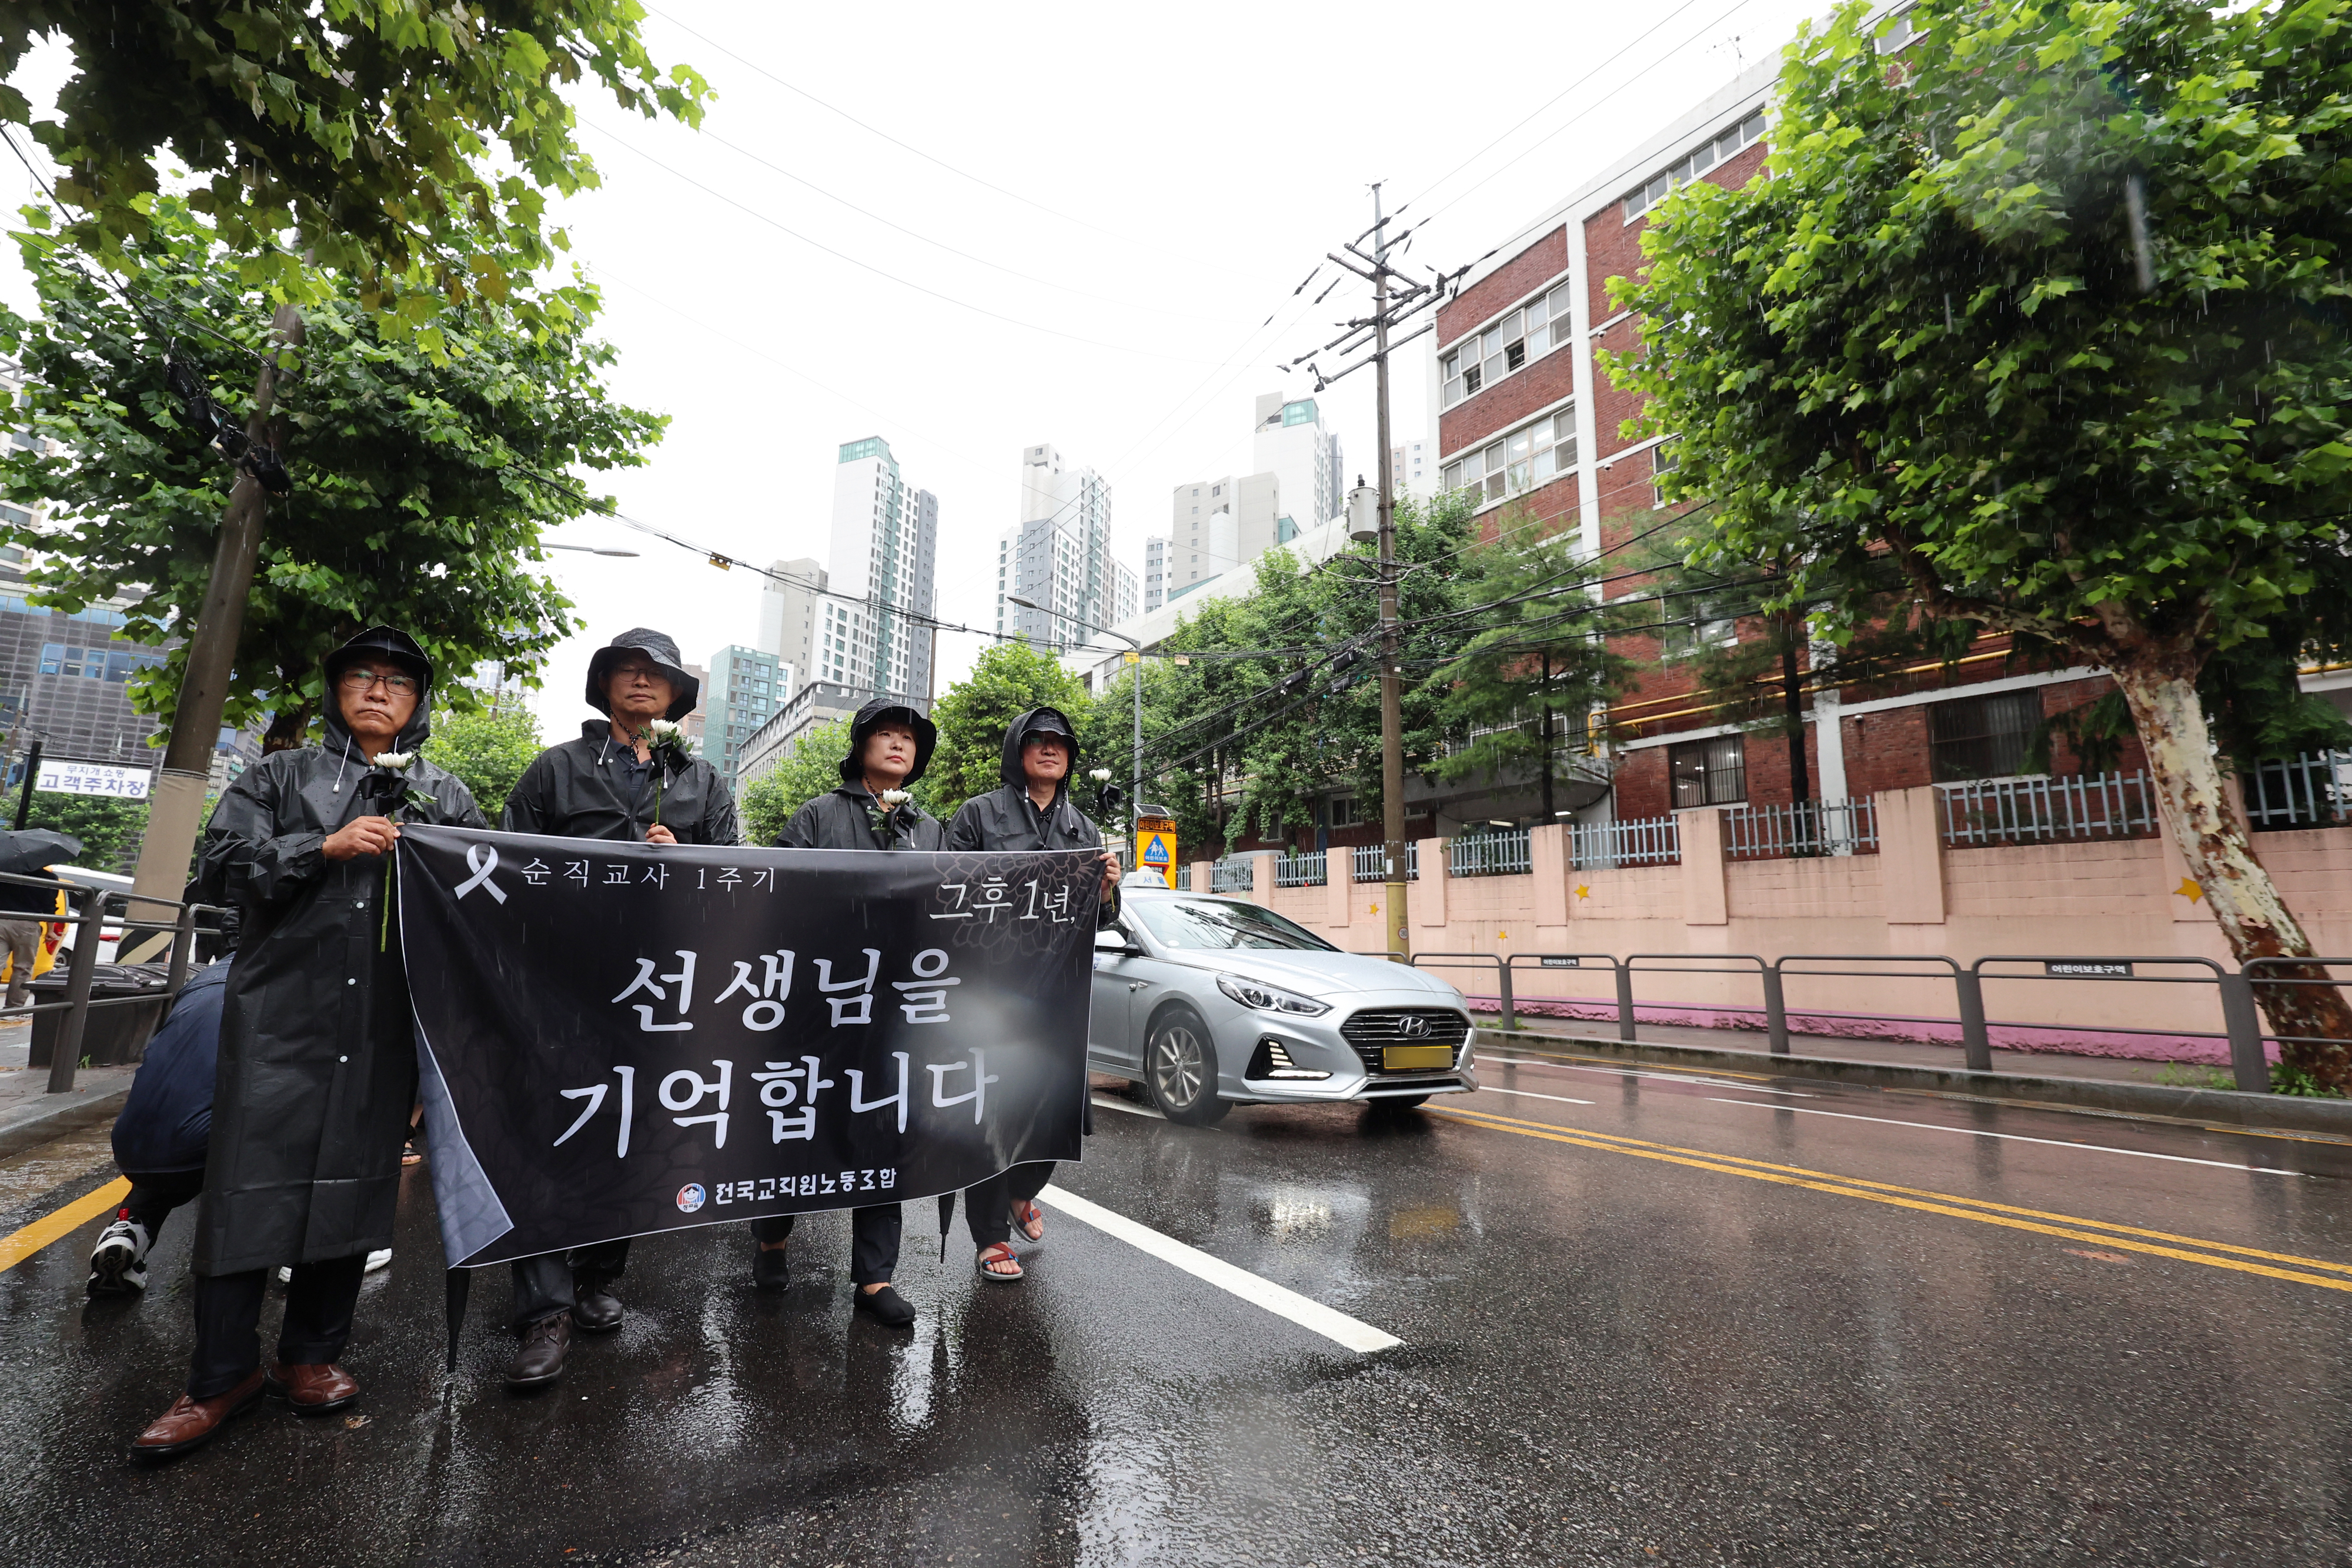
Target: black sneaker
[769, 1269]
[118, 1264]
[889, 1307]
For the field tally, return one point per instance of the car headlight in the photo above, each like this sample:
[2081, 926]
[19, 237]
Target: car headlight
[1267, 998]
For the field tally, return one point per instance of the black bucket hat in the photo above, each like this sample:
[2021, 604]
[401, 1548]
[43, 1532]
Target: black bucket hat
[871, 717]
[662, 651]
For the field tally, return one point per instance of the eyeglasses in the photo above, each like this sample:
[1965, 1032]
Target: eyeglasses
[361, 680]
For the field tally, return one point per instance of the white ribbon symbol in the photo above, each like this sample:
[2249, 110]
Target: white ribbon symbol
[481, 860]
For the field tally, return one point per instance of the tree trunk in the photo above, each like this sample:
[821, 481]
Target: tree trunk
[1800, 781]
[288, 727]
[2313, 1020]
[1547, 735]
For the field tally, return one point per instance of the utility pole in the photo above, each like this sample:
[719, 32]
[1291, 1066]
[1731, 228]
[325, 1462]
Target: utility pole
[1394, 910]
[1395, 299]
[178, 798]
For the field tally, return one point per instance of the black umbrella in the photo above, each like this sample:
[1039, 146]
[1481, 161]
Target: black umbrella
[31, 849]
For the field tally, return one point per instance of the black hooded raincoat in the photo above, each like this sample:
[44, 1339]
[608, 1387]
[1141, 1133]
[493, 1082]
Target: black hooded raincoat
[318, 1045]
[844, 819]
[1006, 819]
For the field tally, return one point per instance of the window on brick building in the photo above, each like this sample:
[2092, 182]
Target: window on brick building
[1530, 457]
[1710, 772]
[1697, 161]
[1900, 31]
[1342, 811]
[1664, 460]
[1982, 738]
[1529, 330]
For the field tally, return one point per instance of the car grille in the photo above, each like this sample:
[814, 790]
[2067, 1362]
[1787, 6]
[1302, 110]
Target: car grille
[1371, 1033]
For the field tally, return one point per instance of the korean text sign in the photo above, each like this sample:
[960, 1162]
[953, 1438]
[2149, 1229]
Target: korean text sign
[619, 1039]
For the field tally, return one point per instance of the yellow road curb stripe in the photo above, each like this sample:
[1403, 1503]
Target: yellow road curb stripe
[15, 1249]
[2293, 1257]
[1840, 1187]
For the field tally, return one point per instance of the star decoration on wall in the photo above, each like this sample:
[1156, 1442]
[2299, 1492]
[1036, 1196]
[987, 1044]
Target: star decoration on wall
[2188, 889]
[1584, 893]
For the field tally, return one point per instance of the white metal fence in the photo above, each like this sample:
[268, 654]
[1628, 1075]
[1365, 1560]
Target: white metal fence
[1807, 828]
[1640, 840]
[2042, 809]
[1300, 870]
[1371, 864]
[1504, 852]
[2313, 791]
[1232, 876]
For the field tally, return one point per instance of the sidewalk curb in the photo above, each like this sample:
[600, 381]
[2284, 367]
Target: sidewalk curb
[2225, 1106]
[40, 1121]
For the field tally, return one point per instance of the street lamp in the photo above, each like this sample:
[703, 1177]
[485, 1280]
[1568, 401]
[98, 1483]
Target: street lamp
[586, 550]
[1134, 801]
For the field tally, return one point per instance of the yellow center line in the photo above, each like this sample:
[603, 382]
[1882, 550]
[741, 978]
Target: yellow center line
[15, 1249]
[1896, 1196]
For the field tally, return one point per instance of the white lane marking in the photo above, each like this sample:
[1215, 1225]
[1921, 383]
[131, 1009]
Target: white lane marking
[1281, 1301]
[1659, 1077]
[2013, 1137]
[1107, 1103]
[1530, 1095]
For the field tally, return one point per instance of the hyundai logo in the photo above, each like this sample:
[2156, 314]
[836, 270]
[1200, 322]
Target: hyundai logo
[1413, 1028]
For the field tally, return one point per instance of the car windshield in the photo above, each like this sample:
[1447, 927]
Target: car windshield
[1221, 923]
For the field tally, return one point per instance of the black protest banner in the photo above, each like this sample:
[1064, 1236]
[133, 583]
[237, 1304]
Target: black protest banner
[619, 1039]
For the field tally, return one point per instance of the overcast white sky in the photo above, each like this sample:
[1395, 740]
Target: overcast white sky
[1171, 175]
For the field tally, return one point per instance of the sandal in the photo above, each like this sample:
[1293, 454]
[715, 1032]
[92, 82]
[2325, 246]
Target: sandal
[1028, 1218]
[997, 1252]
[409, 1157]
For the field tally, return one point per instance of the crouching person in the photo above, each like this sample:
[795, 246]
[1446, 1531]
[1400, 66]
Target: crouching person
[318, 1054]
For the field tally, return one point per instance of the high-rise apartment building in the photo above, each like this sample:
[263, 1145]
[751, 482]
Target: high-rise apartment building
[1291, 443]
[1409, 469]
[791, 608]
[1058, 557]
[746, 686]
[885, 553]
[1214, 526]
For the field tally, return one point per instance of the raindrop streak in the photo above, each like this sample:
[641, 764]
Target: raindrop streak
[2136, 205]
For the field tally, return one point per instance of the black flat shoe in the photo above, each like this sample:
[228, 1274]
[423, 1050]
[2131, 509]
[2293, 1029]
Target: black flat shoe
[889, 1307]
[596, 1312]
[770, 1271]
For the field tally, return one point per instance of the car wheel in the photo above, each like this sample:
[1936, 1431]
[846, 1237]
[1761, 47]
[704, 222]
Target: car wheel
[1180, 1069]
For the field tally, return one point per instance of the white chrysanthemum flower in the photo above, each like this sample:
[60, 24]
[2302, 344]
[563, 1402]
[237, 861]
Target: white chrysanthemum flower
[1100, 774]
[398, 761]
[893, 799]
[664, 732]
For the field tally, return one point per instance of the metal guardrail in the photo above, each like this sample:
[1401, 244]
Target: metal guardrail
[1506, 852]
[2311, 791]
[2241, 1026]
[1371, 861]
[1805, 828]
[1641, 841]
[2042, 809]
[1185, 877]
[87, 914]
[1307, 870]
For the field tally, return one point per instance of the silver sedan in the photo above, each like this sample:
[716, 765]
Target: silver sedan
[1211, 1002]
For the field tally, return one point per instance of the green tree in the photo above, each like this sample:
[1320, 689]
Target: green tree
[811, 769]
[1006, 682]
[487, 749]
[415, 506]
[1534, 668]
[2049, 315]
[109, 829]
[403, 145]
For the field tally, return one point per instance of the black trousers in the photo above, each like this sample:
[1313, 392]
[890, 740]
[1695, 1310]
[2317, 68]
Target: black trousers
[988, 1205]
[553, 1282]
[318, 1304]
[155, 1193]
[874, 1233]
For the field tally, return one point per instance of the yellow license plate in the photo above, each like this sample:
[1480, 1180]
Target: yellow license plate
[1410, 1058]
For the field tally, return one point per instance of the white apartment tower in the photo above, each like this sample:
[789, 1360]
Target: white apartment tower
[1291, 444]
[792, 608]
[1058, 557]
[1214, 526]
[885, 553]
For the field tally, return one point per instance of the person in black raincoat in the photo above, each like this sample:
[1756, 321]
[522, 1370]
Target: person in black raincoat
[624, 781]
[1033, 811]
[891, 746]
[317, 1068]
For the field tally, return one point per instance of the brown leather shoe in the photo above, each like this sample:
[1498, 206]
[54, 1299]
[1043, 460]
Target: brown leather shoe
[191, 1423]
[313, 1389]
[538, 1359]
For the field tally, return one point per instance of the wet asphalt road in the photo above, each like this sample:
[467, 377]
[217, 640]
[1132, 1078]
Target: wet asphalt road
[1647, 1317]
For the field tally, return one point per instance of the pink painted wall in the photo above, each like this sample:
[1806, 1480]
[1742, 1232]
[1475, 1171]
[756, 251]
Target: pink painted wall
[2090, 900]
